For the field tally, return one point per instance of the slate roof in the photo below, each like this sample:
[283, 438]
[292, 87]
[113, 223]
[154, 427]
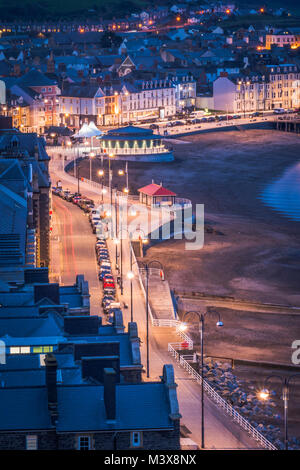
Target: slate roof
[79, 91]
[34, 78]
[81, 408]
[130, 133]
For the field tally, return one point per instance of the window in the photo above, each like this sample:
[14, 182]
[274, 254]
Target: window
[20, 350]
[42, 349]
[31, 442]
[136, 439]
[83, 443]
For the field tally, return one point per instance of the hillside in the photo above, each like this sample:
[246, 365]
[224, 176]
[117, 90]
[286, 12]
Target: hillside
[52, 9]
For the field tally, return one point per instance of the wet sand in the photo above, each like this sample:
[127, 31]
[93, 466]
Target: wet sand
[258, 256]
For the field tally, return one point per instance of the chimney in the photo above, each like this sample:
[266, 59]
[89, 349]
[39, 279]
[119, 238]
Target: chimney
[110, 393]
[51, 370]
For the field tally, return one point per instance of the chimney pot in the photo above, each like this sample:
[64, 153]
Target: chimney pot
[110, 393]
[51, 373]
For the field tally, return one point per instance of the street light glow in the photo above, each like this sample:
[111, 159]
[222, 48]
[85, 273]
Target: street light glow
[182, 327]
[101, 173]
[130, 275]
[264, 394]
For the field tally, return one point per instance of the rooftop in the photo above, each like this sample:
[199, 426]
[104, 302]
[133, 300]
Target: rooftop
[156, 190]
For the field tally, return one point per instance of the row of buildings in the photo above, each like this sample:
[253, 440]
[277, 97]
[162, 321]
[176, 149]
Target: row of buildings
[68, 78]
[25, 203]
[67, 381]
[40, 107]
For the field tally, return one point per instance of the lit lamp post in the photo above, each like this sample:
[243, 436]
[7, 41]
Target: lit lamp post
[183, 327]
[91, 156]
[264, 394]
[101, 174]
[147, 266]
[130, 276]
[110, 156]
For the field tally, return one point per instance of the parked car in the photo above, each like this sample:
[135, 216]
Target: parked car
[111, 307]
[109, 290]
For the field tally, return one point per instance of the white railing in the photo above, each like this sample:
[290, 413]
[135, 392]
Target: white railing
[138, 150]
[237, 417]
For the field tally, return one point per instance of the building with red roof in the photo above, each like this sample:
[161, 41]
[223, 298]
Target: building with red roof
[156, 195]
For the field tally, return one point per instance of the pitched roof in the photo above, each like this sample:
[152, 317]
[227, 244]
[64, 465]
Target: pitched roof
[156, 190]
[35, 78]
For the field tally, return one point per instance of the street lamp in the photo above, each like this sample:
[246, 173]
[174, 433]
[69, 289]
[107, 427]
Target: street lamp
[101, 174]
[264, 394]
[183, 327]
[91, 155]
[110, 156]
[147, 267]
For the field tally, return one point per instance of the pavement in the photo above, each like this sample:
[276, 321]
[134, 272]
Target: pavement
[78, 255]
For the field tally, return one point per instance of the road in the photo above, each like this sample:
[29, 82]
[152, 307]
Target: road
[77, 245]
[75, 251]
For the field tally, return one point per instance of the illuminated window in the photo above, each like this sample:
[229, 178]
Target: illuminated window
[14, 350]
[42, 349]
[25, 350]
[20, 350]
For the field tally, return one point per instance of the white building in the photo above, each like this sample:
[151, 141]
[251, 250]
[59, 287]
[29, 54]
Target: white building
[278, 88]
[144, 100]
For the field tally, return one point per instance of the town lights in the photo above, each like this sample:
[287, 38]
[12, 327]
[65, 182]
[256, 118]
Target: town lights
[178, 18]
[126, 190]
[104, 191]
[130, 275]
[121, 172]
[69, 143]
[101, 172]
[116, 241]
